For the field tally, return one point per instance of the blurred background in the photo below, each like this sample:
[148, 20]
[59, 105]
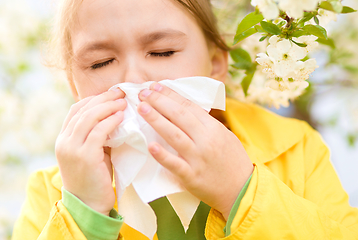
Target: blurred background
[35, 100]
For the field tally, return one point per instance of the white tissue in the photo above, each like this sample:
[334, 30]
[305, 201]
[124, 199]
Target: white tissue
[139, 178]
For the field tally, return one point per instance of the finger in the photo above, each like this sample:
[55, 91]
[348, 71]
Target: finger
[89, 119]
[110, 95]
[179, 167]
[193, 108]
[73, 110]
[98, 135]
[175, 112]
[174, 136]
[89, 103]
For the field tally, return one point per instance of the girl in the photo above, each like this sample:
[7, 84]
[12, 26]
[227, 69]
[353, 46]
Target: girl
[267, 178]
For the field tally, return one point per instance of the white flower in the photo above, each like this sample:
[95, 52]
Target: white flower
[304, 69]
[268, 8]
[285, 56]
[279, 85]
[310, 41]
[297, 86]
[267, 63]
[296, 8]
[285, 72]
[274, 40]
[285, 50]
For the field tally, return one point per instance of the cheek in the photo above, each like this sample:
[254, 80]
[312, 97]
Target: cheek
[90, 84]
[194, 62]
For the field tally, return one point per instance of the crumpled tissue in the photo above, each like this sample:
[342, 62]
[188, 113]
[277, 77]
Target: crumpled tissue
[139, 178]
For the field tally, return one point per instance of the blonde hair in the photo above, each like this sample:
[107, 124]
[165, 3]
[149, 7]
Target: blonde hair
[60, 47]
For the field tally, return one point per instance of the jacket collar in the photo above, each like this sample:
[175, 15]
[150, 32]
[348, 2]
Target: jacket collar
[264, 135]
[56, 180]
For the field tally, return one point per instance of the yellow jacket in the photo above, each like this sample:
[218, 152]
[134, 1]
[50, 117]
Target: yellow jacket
[294, 191]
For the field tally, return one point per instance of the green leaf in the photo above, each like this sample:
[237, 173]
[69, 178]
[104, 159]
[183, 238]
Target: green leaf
[241, 65]
[326, 6]
[271, 28]
[299, 33]
[245, 84]
[240, 54]
[299, 44]
[242, 36]
[248, 22]
[351, 140]
[23, 67]
[316, 30]
[241, 58]
[336, 5]
[328, 42]
[263, 38]
[333, 6]
[316, 20]
[351, 68]
[281, 24]
[306, 18]
[348, 10]
[259, 28]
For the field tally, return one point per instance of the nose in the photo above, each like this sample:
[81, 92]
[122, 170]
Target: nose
[134, 71]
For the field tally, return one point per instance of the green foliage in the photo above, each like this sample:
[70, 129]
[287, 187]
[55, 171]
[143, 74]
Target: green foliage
[352, 139]
[287, 28]
[244, 35]
[259, 29]
[270, 28]
[245, 28]
[243, 61]
[348, 10]
[263, 38]
[245, 84]
[351, 68]
[336, 6]
[332, 6]
[241, 58]
[315, 30]
[299, 44]
[328, 42]
[308, 16]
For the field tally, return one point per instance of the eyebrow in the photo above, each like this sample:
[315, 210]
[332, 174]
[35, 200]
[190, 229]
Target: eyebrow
[149, 38]
[94, 46]
[162, 34]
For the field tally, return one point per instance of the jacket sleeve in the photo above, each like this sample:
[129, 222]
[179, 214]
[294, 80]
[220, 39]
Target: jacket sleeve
[43, 215]
[272, 209]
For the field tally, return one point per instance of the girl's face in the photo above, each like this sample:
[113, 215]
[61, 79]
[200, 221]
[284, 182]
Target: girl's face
[117, 41]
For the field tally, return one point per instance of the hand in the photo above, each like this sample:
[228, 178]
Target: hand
[212, 164]
[84, 163]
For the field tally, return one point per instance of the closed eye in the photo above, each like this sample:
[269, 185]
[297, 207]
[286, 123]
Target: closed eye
[102, 64]
[162, 54]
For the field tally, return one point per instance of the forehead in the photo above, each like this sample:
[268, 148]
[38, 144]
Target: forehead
[123, 19]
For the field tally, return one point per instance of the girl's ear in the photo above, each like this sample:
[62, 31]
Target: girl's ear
[73, 87]
[219, 63]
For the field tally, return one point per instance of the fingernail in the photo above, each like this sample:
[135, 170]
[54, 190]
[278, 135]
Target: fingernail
[116, 89]
[121, 100]
[145, 93]
[144, 108]
[154, 149]
[119, 113]
[157, 87]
